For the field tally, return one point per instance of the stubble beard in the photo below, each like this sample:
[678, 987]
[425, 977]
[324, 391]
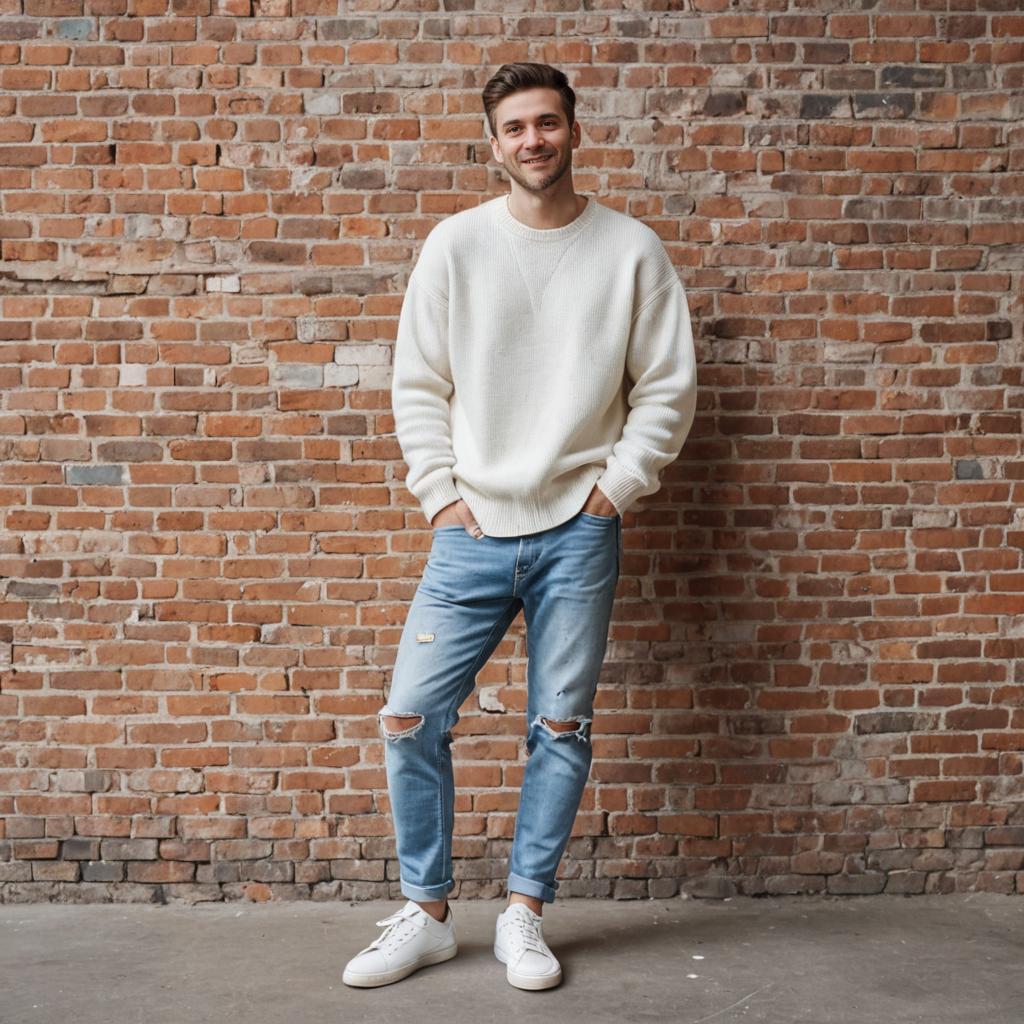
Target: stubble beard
[546, 180]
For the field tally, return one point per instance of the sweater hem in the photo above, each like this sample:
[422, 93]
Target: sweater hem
[521, 516]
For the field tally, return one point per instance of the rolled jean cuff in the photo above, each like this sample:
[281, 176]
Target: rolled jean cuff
[433, 892]
[528, 887]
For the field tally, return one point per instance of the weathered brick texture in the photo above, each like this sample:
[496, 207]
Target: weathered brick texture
[210, 209]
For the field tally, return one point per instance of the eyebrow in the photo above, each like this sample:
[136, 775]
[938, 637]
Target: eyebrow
[540, 117]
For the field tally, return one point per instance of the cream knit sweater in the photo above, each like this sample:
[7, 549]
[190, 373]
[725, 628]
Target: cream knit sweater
[531, 364]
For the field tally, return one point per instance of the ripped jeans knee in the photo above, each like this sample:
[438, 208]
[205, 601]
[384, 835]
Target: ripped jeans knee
[393, 732]
[577, 727]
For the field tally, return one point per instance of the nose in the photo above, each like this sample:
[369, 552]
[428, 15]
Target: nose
[533, 139]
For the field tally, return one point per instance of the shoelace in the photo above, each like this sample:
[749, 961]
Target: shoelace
[524, 933]
[395, 933]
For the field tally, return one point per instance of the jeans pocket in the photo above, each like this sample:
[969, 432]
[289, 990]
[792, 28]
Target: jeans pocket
[600, 519]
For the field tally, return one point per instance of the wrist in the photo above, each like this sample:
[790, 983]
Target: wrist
[598, 503]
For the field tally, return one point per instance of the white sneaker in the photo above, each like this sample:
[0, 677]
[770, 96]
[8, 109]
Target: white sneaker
[412, 939]
[519, 943]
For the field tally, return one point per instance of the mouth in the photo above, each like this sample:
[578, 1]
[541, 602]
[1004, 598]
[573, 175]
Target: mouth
[537, 161]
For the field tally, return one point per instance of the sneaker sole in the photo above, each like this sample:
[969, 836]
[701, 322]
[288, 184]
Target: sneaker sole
[530, 982]
[387, 977]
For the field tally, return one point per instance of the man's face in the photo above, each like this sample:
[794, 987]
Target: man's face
[532, 124]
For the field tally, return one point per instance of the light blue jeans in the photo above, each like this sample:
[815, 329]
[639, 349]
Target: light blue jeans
[564, 579]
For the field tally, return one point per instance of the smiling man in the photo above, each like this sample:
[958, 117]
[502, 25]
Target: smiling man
[544, 377]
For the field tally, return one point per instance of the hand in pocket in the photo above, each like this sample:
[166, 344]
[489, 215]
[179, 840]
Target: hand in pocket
[458, 513]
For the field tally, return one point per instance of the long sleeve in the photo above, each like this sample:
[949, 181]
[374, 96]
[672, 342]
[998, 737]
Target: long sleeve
[532, 363]
[661, 362]
[420, 389]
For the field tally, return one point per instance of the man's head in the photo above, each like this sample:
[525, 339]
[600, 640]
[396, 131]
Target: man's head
[531, 114]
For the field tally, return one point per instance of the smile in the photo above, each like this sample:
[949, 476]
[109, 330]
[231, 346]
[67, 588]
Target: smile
[538, 160]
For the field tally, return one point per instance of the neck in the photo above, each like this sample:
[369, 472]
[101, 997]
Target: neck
[545, 212]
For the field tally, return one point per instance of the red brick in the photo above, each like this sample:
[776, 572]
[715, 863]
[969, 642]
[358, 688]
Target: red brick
[209, 556]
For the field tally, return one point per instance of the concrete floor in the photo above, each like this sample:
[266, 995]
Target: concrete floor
[784, 960]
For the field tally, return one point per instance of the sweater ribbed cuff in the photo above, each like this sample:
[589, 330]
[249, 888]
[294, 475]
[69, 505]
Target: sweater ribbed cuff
[436, 492]
[620, 487]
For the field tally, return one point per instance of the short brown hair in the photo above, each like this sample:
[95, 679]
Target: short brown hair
[510, 78]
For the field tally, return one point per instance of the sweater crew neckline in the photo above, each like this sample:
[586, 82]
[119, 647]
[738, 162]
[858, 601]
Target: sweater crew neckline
[517, 227]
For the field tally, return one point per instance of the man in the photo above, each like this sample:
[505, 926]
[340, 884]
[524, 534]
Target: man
[544, 376]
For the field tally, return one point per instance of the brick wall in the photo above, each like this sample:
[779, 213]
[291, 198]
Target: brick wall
[209, 212]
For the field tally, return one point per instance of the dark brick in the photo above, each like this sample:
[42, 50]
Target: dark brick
[914, 77]
[277, 252]
[80, 848]
[364, 178]
[342, 29]
[129, 849]
[893, 721]
[818, 105]
[969, 469]
[883, 104]
[711, 887]
[724, 104]
[102, 871]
